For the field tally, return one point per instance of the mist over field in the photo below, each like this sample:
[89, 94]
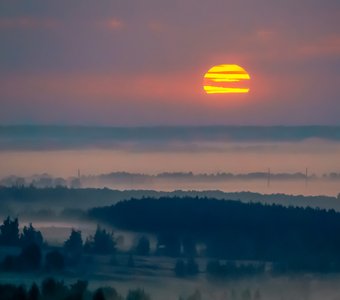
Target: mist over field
[62, 186]
[156, 272]
[169, 150]
[243, 156]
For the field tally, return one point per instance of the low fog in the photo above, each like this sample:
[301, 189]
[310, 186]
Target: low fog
[53, 178]
[61, 151]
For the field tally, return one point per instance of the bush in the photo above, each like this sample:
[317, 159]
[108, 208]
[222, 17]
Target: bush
[52, 289]
[33, 293]
[192, 267]
[74, 244]
[231, 269]
[98, 295]
[143, 246]
[137, 294]
[9, 263]
[180, 268]
[189, 268]
[102, 242]
[31, 236]
[54, 261]
[9, 232]
[30, 258]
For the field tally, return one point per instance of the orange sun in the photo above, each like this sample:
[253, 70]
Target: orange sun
[226, 79]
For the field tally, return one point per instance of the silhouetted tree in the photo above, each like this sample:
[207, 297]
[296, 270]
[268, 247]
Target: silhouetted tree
[215, 268]
[233, 230]
[31, 236]
[10, 263]
[73, 247]
[54, 261]
[7, 291]
[75, 183]
[143, 246]
[189, 247]
[98, 295]
[131, 261]
[52, 289]
[102, 242]
[180, 268]
[138, 294]
[78, 290]
[189, 268]
[9, 232]
[169, 245]
[111, 294]
[30, 257]
[232, 269]
[74, 244]
[192, 267]
[20, 293]
[33, 293]
[195, 296]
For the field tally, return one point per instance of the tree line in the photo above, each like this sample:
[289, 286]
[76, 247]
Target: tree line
[290, 237]
[31, 244]
[52, 289]
[88, 197]
[103, 242]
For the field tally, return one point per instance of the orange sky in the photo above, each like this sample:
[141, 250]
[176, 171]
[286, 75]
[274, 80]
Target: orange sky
[132, 64]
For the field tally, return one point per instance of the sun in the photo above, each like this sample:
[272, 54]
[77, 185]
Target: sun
[226, 79]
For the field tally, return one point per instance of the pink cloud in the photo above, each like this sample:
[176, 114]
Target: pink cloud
[102, 85]
[27, 23]
[112, 24]
[326, 46]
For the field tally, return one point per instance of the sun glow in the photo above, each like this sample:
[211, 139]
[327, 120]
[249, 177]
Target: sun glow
[230, 79]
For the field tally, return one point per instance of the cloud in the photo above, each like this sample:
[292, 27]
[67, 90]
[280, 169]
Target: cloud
[326, 46]
[92, 85]
[27, 23]
[113, 24]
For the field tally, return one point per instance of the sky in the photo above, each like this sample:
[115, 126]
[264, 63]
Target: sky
[142, 63]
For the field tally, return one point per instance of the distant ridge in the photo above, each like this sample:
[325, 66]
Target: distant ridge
[84, 198]
[107, 180]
